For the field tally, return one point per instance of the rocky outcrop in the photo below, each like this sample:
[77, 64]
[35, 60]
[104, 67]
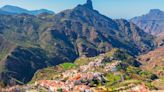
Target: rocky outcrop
[88, 4]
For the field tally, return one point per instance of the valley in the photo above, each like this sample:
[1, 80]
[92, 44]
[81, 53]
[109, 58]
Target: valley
[80, 50]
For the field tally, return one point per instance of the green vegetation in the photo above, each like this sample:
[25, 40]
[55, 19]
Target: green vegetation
[67, 66]
[3, 54]
[158, 83]
[83, 61]
[127, 82]
[113, 79]
[47, 73]
[141, 74]
[121, 55]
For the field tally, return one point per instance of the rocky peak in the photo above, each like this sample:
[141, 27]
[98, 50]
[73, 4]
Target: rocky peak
[155, 11]
[152, 22]
[156, 14]
[88, 4]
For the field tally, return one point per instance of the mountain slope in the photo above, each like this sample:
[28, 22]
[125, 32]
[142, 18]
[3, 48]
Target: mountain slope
[96, 29]
[65, 36]
[18, 10]
[14, 9]
[21, 64]
[37, 12]
[154, 61]
[152, 23]
[5, 47]
[4, 12]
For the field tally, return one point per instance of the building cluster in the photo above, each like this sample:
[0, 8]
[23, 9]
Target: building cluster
[112, 66]
[76, 82]
[84, 79]
[78, 79]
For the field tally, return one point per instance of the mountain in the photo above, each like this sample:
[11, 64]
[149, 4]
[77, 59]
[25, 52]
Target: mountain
[14, 9]
[18, 10]
[152, 23]
[95, 29]
[37, 12]
[48, 39]
[4, 12]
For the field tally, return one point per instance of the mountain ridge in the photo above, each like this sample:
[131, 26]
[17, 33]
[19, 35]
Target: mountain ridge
[17, 10]
[150, 21]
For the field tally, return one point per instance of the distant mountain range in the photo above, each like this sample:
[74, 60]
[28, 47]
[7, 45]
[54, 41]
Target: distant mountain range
[10, 10]
[4, 12]
[153, 23]
[50, 39]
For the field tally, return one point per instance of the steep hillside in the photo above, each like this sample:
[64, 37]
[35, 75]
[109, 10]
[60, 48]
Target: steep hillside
[47, 39]
[21, 64]
[154, 61]
[5, 48]
[160, 39]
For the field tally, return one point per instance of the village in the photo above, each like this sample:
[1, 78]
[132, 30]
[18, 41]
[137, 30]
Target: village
[85, 78]
[79, 80]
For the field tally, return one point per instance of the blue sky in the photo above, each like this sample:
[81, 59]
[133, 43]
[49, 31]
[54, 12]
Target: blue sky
[111, 8]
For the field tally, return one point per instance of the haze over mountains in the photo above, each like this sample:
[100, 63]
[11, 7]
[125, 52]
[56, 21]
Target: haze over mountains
[29, 43]
[10, 10]
[153, 23]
